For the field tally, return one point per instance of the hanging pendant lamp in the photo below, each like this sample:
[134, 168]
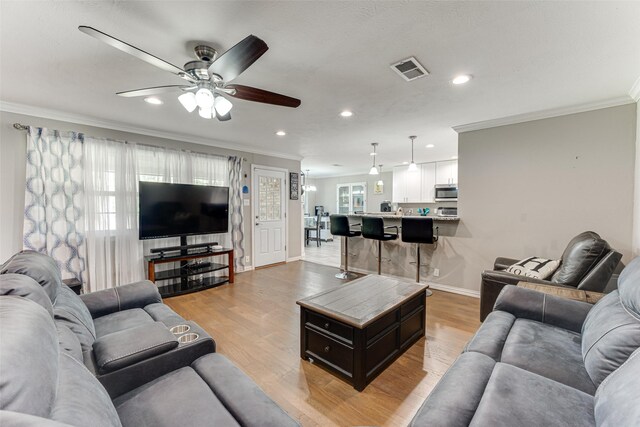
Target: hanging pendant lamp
[412, 166]
[373, 170]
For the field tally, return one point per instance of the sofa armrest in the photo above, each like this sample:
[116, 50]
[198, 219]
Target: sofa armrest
[133, 295]
[529, 304]
[502, 263]
[124, 348]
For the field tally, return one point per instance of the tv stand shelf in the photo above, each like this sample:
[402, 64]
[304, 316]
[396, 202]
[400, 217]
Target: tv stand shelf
[186, 274]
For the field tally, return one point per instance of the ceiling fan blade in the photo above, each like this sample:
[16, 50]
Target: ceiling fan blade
[138, 53]
[259, 95]
[240, 57]
[155, 90]
[223, 118]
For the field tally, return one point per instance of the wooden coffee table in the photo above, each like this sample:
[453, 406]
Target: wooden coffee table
[358, 329]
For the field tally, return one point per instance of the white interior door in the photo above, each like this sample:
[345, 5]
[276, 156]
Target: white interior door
[270, 222]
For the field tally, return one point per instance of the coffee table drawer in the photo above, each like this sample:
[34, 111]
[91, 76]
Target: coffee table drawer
[330, 351]
[331, 326]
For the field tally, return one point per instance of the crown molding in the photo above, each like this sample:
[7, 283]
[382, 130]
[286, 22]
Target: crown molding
[544, 114]
[45, 113]
[634, 93]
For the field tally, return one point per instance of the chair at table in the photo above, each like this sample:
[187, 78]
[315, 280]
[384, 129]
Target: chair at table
[308, 230]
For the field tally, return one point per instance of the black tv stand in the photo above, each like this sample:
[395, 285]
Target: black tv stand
[183, 248]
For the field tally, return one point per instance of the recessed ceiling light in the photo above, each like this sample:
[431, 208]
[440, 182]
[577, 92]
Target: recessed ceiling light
[405, 163]
[461, 79]
[430, 145]
[153, 100]
[281, 133]
[346, 113]
[454, 157]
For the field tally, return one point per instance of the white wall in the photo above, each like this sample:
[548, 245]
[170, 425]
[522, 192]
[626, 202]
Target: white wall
[327, 190]
[526, 189]
[13, 163]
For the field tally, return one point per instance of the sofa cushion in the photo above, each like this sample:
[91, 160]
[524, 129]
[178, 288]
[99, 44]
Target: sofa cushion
[29, 357]
[549, 351]
[81, 400]
[582, 254]
[629, 288]
[492, 335]
[24, 286]
[449, 404]
[40, 267]
[166, 400]
[248, 404]
[609, 335]
[163, 313]
[68, 342]
[120, 321]
[515, 396]
[71, 311]
[617, 401]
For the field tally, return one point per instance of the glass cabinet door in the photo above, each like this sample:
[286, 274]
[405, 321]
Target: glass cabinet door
[358, 197]
[343, 199]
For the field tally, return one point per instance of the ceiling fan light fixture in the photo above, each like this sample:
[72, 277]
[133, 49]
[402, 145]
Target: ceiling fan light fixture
[222, 105]
[204, 98]
[205, 113]
[188, 101]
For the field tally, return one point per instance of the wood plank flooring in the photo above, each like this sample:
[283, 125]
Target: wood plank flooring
[255, 323]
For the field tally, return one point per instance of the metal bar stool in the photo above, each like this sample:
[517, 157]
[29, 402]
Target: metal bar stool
[340, 227]
[418, 230]
[373, 228]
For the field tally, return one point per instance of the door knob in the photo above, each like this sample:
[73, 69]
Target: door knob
[257, 223]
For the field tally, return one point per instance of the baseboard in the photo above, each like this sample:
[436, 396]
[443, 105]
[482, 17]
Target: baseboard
[245, 269]
[295, 258]
[437, 286]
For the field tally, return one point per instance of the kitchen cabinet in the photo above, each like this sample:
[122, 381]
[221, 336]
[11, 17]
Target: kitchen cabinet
[406, 185]
[428, 183]
[447, 172]
[351, 198]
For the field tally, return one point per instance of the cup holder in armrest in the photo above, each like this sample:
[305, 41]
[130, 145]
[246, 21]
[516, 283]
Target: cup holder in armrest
[180, 329]
[187, 338]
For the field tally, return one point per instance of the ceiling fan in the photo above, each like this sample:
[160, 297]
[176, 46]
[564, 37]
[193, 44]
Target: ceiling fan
[207, 78]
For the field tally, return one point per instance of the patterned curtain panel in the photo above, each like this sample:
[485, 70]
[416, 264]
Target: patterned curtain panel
[236, 209]
[54, 199]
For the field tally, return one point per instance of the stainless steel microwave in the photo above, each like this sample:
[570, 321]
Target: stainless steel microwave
[446, 192]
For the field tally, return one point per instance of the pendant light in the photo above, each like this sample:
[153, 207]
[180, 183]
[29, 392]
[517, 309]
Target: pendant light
[374, 170]
[412, 166]
[307, 187]
[380, 183]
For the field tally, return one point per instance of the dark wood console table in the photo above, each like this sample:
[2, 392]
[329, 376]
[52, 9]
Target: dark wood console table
[358, 329]
[187, 283]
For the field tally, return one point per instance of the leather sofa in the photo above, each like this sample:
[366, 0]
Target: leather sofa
[540, 360]
[97, 360]
[587, 264]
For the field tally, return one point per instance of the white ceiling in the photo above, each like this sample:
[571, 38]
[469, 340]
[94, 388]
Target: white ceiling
[524, 56]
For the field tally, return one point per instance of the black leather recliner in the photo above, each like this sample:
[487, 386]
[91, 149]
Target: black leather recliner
[587, 264]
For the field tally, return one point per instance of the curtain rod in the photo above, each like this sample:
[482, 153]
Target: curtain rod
[20, 126]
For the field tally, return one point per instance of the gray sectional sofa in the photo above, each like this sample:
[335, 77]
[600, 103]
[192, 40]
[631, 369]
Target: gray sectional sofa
[540, 360]
[109, 359]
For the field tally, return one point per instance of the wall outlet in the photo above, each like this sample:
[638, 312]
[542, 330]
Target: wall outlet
[247, 259]
[436, 272]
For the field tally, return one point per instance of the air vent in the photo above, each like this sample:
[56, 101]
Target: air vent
[409, 69]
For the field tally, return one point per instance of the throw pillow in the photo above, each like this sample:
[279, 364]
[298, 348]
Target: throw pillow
[534, 267]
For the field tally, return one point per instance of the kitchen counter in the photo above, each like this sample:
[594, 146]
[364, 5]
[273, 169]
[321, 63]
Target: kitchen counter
[393, 215]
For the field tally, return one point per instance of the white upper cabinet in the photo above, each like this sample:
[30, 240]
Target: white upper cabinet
[418, 186]
[447, 172]
[428, 172]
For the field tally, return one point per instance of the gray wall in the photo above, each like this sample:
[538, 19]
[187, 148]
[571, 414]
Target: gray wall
[528, 188]
[636, 207]
[13, 163]
[327, 190]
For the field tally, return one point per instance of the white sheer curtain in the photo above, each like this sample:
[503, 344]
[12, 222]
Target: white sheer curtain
[114, 252]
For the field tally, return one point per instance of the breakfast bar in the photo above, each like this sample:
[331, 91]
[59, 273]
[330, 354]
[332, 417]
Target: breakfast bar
[398, 258]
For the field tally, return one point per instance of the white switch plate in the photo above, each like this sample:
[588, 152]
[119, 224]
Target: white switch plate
[246, 202]
[247, 259]
[436, 272]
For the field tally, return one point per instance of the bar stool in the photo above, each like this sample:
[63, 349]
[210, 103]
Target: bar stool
[418, 230]
[373, 228]
[340, 227]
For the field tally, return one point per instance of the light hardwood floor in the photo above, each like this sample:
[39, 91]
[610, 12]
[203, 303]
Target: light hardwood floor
[255, 323]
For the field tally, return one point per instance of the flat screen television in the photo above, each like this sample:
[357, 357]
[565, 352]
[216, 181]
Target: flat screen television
[169, 210]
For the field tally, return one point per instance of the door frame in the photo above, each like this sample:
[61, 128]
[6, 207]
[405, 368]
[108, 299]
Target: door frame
[253, 211]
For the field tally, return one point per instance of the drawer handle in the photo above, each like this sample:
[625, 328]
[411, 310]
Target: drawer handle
[327, 349]
[326, 325]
